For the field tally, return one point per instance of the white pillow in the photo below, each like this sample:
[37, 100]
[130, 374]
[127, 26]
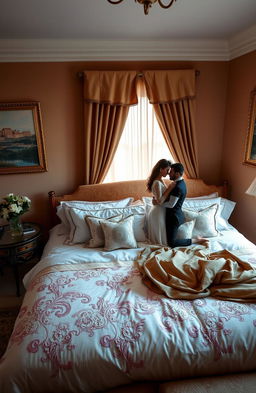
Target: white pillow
[80, 231]
[212, 195]
[148, 200]
[119, 235]
[199, 204]
[97, 235]
[205, 224]
[185, 230]
[62, 209]
[98, 205]
[227, 208]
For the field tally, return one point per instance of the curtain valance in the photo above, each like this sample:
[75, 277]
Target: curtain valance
[169, 85]
[112, 87]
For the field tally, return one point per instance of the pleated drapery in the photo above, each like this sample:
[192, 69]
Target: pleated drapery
[172, 93]
[107, 97]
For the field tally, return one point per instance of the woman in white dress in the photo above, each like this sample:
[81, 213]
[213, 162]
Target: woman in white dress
[156, 215]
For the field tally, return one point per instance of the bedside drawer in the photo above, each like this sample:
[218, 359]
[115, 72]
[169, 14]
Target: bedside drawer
[26, 247]
[27, 256]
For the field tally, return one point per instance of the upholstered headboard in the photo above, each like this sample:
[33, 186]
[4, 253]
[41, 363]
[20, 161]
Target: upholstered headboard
[131, 188]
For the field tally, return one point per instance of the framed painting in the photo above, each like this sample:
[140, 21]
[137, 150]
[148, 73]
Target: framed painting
[22, 147]
[250, 149]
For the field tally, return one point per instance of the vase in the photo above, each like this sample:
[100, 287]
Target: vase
[15, 225]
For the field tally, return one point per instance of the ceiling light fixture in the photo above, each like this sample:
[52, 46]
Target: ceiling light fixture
[146, 3]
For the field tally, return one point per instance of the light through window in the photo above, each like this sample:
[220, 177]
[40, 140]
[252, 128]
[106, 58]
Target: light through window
[141, 145]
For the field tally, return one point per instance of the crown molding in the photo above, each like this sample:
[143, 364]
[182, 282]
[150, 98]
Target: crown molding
[243, 43]
[31, 50]
[58, 50]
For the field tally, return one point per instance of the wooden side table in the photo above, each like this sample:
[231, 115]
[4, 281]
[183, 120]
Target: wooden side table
[19, 250]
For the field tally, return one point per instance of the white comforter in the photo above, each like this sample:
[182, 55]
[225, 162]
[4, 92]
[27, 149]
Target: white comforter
[88, 323]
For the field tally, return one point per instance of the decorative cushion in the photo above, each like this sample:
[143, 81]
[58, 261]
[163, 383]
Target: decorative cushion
[97, 235]
[226, 206]
[64, 206]
[185, 230]
[205, 224]
[198, 204]
[119, 235]
[80, 231]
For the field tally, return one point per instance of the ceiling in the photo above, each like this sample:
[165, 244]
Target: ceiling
[36, 29]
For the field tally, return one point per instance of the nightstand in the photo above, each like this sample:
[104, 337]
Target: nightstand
[17, 251]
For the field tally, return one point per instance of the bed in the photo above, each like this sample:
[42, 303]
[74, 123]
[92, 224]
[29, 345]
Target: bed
[89, 323]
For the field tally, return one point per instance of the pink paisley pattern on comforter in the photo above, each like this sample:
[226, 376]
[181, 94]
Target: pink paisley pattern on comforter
[106, 320]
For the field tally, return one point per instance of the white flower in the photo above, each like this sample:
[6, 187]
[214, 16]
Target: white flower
[26, 199]
[13, 206]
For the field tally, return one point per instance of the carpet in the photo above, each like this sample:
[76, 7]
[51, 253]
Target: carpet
[7, 319]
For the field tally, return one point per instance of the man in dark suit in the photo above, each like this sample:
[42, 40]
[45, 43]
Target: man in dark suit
[174, 214]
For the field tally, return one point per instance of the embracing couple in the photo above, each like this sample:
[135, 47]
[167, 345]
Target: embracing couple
[165, 216]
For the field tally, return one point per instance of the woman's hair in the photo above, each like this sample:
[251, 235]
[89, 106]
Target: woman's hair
[161, 164]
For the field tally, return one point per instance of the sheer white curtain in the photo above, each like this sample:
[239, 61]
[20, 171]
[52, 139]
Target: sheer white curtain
[141, 145]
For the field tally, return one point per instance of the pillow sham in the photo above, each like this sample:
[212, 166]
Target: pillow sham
[148, 200]
[97, 235]
[205, 221]
[119, 235]
[212, 195]
[199, 204]
[62, 209]
[185, 230]
[227, 207]
[80, 231]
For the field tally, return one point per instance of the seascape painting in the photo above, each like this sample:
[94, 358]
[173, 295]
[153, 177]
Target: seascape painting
[21, 138]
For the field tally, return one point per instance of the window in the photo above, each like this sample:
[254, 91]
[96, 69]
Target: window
[141, 145]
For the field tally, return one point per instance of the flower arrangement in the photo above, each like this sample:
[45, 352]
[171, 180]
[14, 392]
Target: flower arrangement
[13, 206]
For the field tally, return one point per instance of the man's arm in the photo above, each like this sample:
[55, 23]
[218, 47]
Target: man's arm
[171, 202]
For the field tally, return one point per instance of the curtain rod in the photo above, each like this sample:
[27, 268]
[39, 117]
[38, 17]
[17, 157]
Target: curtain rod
[140, 75]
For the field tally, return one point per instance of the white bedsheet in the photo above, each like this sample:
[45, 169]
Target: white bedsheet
[83, 329]
[56, 252]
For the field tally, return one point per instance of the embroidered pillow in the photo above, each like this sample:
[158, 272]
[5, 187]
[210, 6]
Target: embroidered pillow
[80, 232]
[205, 221]
[64, 206]
[97, 234]
[185, 230]
[119, 235]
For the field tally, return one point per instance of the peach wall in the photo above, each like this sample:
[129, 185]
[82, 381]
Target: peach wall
[242, 79]
[59, 90]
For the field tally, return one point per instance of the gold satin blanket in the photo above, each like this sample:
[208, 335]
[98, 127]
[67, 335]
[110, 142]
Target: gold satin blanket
[190, 273]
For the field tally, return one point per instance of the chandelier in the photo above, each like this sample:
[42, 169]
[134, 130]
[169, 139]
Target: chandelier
[146, 3]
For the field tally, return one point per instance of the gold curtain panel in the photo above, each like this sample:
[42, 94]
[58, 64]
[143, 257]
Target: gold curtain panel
[169, 85]
[112, 87]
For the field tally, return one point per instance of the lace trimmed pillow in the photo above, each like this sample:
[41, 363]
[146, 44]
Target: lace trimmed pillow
[119, 235]
[205, 221]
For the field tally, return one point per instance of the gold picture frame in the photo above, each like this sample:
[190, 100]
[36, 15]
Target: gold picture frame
[21, 138]
[250, 149]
